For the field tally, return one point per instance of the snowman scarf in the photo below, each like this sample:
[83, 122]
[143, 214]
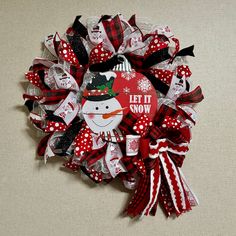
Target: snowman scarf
[115, 100]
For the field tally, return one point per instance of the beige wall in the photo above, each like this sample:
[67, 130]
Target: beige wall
[42, 200]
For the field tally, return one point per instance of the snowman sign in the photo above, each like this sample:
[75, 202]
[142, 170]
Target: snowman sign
[111, 95]
[102, 111]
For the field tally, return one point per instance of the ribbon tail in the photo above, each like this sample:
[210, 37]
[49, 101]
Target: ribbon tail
[185, 52]
[48, 151]
[43, 145]
[79, 28]
[192, 198]
[174, 182]
[155, 182]
[195, 96]
[141, 197]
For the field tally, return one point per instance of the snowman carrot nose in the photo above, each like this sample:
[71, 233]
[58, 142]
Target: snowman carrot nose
[113, 113]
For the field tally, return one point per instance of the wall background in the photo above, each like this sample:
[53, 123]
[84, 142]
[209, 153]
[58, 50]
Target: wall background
[42, 200]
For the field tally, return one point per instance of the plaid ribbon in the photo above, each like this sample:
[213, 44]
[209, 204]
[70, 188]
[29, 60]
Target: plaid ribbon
[43, 145]
[115, 34]
[134, 165]
[78, 73]
[136, 61]
[94, 155]
[129, 165]
[31, 97]
[164, 111]
[114, 31]
[163, 181]
[154, 133]
[194, 96]
[140, 198]
[177, 159]
[54, 96]
[126, 125]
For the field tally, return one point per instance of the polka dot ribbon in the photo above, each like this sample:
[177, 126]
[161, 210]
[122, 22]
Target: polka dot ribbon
[142, 125]
[155, 45]
[66, 53]
[164, 75]
[148, 191]
[183, 70]
[34, 79]
[98, 54]
[83, 141]
[53, 126]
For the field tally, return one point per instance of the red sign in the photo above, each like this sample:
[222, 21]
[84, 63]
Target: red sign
[136, 93]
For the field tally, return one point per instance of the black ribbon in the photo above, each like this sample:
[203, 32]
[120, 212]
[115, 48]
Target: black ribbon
[157, 84]
[104, 17]
[30, 104]
[68, 137]
[107, 65]
[79, 28]
[78, 48]
[41, 74]
[51, 117]
[156, 58]
[132, 21]
[184, 52]
[160, 56]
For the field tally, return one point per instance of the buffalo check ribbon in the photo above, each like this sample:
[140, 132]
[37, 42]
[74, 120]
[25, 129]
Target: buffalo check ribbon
[168, 144]
[114, 31]
[164, 179]
[195, 96]
[161, 127]
[171, 173]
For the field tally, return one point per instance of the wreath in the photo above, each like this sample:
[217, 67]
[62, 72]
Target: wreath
[115, 100]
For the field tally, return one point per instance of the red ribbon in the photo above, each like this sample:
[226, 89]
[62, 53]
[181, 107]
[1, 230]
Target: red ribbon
[143, 203]
[163, 145]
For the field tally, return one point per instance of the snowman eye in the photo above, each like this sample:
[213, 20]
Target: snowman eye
[96, 108]
[107, 107]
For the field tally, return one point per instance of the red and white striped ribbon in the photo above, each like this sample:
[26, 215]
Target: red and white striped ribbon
[174, 180]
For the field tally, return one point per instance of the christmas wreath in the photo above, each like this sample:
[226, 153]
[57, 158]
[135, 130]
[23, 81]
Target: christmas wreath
[114, 98]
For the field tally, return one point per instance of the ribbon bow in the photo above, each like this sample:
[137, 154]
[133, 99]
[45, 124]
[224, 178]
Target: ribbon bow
[163, 146]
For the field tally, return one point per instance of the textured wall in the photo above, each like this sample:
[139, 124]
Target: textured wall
[42, 200]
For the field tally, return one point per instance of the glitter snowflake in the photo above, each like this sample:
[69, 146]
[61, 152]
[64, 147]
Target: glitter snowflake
[126, 90]
[128, 75]
[144, 85]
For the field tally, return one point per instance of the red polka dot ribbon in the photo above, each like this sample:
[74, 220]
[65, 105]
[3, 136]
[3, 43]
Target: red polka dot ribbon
[66, 53]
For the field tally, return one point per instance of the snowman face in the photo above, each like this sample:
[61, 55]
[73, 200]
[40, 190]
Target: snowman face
[65, 81]
[179, 84]
[102, 115]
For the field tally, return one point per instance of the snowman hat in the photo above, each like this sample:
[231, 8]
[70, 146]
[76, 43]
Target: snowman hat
[100, 88]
